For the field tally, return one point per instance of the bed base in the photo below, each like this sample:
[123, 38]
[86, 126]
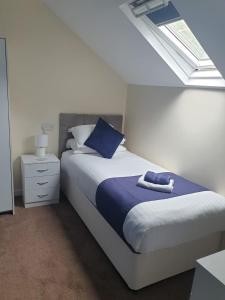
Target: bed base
[139, 270]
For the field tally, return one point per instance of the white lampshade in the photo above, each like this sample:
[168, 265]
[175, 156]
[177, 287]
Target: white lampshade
[41, 141]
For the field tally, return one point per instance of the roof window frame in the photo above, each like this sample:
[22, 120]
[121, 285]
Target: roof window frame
[198, 64]
[191, 72]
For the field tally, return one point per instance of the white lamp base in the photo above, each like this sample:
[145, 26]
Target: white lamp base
[41, 153]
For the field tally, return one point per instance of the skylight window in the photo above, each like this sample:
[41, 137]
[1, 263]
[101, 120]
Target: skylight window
[169, 21]
[187, 45]
[166, 30]
[183, 33]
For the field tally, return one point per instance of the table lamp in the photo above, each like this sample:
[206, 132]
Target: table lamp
[41, 143]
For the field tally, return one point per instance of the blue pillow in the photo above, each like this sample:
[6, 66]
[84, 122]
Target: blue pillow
[104, 139]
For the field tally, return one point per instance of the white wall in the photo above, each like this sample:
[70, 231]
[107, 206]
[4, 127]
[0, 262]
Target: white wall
[51, 71]
[180, 129]
[105, 28]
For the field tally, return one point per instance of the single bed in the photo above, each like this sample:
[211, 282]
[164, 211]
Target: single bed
[156, 259]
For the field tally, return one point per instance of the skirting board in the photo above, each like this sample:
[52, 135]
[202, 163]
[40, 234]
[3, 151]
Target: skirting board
[138, 270]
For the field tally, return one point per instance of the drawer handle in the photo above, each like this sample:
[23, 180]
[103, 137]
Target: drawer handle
[42, 196]
[42, 183]
[41, 171]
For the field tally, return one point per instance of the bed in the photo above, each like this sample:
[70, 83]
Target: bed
[178, 247]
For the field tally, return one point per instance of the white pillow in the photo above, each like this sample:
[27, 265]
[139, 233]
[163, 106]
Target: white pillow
[86, 150]
[81, 133]
[71, 144]
[120, 149]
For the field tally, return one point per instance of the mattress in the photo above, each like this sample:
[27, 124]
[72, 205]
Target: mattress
[154, 225]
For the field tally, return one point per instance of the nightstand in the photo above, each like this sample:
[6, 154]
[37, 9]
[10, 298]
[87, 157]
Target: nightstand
[41, 180]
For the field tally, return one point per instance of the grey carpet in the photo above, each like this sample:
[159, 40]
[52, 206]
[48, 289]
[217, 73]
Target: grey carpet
[46, 253]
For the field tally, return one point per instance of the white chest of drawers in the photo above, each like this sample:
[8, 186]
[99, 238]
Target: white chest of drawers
[41, 180]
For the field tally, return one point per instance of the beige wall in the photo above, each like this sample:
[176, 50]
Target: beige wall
[180, 129]
[50, 71]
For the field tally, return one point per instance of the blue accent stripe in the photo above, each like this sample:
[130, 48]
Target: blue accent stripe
[115, 197]
[164, 15]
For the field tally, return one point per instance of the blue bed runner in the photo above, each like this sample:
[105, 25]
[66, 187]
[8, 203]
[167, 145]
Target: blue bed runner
[115, 197]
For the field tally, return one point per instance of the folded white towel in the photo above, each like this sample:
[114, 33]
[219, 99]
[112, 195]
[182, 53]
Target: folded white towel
[156, 187]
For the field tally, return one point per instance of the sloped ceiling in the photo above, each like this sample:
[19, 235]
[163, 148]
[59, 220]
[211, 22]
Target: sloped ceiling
[103, 26]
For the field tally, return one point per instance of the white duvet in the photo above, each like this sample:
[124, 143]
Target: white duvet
[150, 225]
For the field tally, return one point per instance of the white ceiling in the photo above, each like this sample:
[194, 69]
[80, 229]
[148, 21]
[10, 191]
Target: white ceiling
[103, 26]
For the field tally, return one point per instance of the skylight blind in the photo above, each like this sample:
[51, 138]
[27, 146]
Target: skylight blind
[144, 7]
[164, 15]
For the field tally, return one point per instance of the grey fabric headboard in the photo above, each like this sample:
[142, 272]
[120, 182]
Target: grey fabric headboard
[67, 121]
